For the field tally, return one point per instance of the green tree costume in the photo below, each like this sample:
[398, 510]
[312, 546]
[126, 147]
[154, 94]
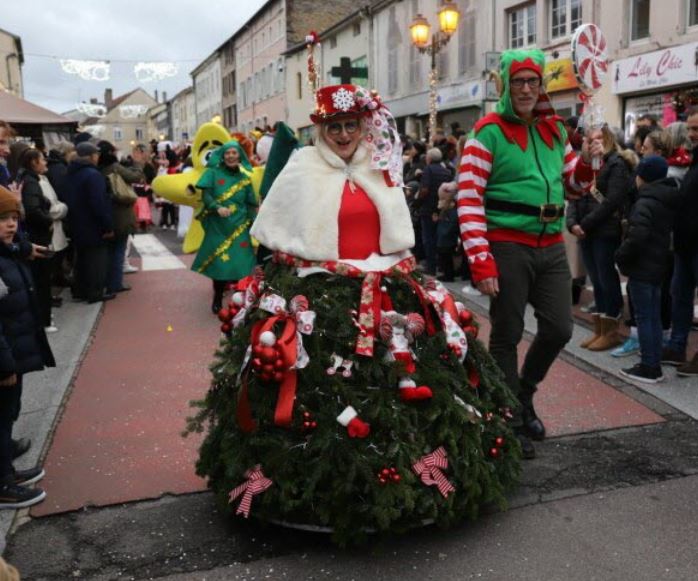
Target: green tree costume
[226, 252]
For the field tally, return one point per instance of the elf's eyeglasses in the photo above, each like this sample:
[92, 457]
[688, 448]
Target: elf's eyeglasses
[351, 127]
[532, 82]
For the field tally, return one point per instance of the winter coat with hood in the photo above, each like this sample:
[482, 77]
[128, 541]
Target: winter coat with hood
[89, 206]
[686, 226]
[38, 221]
[645, 253]
[23, 343]
[603, 219]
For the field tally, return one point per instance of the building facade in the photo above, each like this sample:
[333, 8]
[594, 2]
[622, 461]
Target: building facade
[183, 115]
[259, 54]
[348, 39]
[206, 79]
[228, 84]
[12, 61]
[126, 120]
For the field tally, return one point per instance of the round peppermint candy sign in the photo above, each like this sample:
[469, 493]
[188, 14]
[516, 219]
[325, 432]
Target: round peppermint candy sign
[590, 56]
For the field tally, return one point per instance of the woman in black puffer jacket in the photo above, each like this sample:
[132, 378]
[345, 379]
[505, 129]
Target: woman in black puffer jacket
[39, 226]
[596, 221]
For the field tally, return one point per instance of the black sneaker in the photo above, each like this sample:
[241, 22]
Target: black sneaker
[644, 373]
[20, 446]
[14, 496]
[29, 476]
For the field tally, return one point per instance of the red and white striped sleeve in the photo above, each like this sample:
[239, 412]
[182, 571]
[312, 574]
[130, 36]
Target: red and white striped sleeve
[474, 172]
[576, 174]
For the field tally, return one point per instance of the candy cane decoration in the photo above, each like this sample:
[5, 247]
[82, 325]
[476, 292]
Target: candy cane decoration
[590, 56]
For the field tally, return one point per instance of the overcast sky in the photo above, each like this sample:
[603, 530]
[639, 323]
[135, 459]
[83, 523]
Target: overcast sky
[137, 30]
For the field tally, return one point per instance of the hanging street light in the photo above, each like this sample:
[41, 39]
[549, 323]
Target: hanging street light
[420, 31]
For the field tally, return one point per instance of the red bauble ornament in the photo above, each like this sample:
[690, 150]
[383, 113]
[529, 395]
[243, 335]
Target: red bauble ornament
[499, 441]
[225, 328]
[494, 452]
[306, 425]
[465, 317]
[257, 350]
[224, 315]
[278, 377]
[382, 479]
[306, 414]
[268, 368]
[313, 424]
[471, 330]
[396, 478]
[278, 363]
[385, 472]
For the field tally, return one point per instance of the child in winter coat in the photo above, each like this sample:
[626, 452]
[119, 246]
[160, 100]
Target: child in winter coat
[644, 256]
[23, 348]
[447, 233]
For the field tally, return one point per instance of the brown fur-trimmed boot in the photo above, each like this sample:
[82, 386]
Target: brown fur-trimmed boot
[610, 337]
[597, 332]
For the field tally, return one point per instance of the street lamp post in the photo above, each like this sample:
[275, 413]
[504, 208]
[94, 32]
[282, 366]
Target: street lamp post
[420, 31]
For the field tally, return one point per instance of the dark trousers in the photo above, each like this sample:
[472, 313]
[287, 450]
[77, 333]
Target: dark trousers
[666, 308]
[168, 214]
[539, 277]
[42, 272]
[647, 300]
[115, 271]
[91, 264]
[429, 242]
[683, 292]
[598, 255]
[446, 262]
[10, 404]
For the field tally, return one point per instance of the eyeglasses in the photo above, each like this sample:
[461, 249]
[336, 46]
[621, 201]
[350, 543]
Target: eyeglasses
[335, 128]
[532, 82]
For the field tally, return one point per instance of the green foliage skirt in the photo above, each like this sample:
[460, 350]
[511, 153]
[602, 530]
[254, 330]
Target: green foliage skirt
[403, 464]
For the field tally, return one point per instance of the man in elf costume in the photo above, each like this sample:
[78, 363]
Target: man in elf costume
[517, 168]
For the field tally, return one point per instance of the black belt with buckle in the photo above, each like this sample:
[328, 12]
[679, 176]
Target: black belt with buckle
[545, 213]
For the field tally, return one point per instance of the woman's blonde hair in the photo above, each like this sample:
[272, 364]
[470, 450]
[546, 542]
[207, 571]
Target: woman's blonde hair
[660, 142]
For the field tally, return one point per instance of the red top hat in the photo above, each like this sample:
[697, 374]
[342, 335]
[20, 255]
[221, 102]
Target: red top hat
[335, 101]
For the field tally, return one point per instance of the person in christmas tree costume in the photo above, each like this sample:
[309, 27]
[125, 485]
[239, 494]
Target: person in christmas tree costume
[516, 170]
[226, 254]
[351, 393]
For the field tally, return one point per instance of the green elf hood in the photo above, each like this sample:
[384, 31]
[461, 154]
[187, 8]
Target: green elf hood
[216, 159]
[533, 59]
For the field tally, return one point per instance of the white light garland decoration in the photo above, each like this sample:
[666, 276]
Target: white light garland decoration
[132, 111]
[154, 71]
[91, 109]
[95, 130]
[87, 70]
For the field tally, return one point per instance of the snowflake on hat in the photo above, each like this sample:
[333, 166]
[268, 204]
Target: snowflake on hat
[343, 100]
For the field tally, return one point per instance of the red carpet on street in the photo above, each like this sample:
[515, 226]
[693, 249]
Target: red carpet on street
[119, 438]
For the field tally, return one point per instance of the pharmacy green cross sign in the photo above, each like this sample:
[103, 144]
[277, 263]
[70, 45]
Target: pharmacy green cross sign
[345, 72]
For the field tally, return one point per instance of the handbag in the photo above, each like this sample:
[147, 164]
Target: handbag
[122, 192]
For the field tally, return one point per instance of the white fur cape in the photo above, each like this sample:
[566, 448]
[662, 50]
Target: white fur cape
[300, 213]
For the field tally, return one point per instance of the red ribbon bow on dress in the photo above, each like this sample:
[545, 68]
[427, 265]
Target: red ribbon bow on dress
[256, 484]
[288, 344]
[429, 468]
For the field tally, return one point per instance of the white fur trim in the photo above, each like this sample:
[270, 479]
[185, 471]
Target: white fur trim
[300, 213]
[347, 415]
[406, 383]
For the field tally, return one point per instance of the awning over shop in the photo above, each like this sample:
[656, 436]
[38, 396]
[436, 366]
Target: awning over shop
[32, 121]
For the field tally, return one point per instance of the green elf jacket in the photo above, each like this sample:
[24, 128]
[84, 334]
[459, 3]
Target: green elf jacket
[514, 175]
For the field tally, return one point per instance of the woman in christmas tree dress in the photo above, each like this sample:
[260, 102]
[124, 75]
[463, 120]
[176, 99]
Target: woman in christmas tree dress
[348, 395]
[226, 254]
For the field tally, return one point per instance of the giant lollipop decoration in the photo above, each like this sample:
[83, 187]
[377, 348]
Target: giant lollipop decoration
[590, 59]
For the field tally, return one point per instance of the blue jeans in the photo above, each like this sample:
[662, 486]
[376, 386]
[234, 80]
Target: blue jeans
[115, 274]
[429, 242]
[647, 298]
[598, 257]
[683, 291]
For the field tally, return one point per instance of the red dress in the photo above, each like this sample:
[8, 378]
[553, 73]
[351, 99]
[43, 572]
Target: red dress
[359, 225]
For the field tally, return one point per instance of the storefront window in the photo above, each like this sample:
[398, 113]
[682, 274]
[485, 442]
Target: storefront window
[693, 13]
[639, 19]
